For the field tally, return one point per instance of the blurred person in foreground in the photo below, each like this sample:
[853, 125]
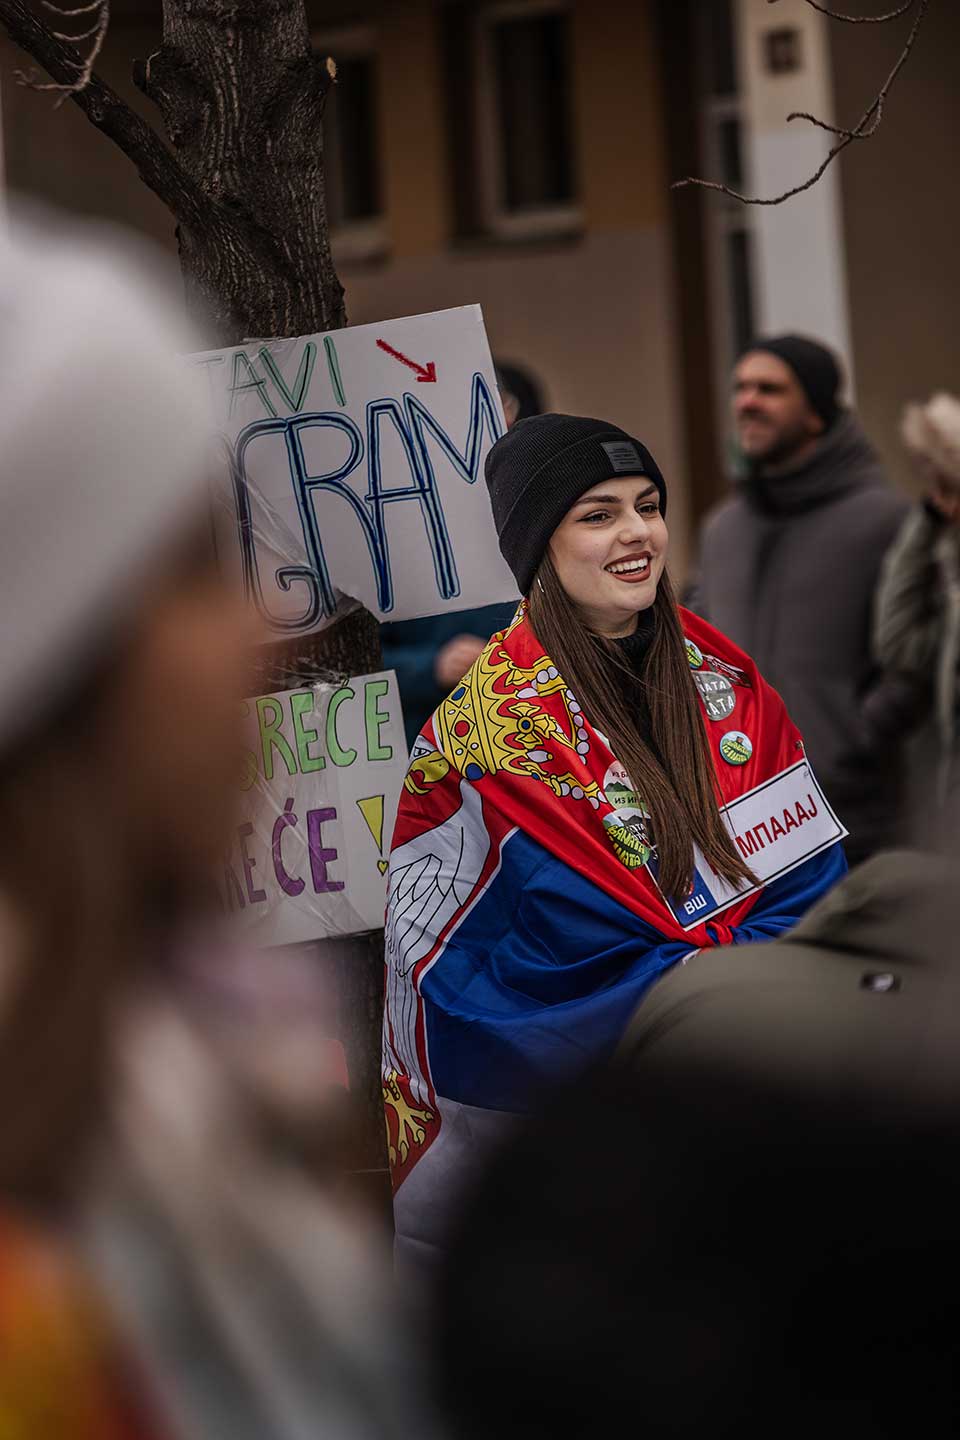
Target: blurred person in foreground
[430, 654]
[917, 626]
[747, 1226]
[155, 1279]
[789, 567]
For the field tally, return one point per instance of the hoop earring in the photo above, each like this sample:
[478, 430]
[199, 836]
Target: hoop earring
[540, 586]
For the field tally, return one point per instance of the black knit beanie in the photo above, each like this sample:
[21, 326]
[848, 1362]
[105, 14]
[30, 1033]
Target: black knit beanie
[814, 366]
[541, 466]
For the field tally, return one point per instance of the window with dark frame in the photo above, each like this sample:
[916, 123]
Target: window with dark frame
[728, 232]
[783, 51]
[531, 76]
[719, 45]
[522, 164]
[740, 289]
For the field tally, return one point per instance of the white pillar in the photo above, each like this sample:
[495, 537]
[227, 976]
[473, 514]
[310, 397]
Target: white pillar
[800, 262]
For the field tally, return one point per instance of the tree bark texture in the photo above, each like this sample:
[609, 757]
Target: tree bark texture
[241, 93]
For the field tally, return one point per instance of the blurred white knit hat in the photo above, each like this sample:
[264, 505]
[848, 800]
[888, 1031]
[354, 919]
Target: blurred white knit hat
[105, 444]
[932, 431]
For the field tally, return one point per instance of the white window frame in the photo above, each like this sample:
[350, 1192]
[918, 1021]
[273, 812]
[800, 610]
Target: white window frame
[356, 240]
[722, 216]
[545, 220]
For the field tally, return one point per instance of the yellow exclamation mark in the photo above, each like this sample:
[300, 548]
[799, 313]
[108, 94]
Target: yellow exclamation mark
[372, 811]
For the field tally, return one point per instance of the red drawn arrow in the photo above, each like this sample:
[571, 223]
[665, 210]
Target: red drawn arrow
[426, 374]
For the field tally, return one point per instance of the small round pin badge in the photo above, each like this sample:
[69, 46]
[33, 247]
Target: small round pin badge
[736, 748]
[628, 831]
[694, 655]
[717, 694]
[618, 788]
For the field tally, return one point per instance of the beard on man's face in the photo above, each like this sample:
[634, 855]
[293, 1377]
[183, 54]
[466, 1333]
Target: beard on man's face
[771, 444]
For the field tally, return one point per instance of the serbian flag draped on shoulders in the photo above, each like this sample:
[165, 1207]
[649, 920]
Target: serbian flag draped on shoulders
[524, 918]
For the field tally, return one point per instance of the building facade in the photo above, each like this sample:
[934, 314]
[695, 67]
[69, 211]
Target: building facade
[520, 154]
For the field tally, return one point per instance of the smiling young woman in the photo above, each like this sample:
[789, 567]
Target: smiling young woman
[611, 789]
[603, 570]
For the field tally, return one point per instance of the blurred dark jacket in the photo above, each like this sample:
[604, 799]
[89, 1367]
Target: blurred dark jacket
[917, 634]
[788, 569]
[861, 998]
[751, 1215]
[410, 647]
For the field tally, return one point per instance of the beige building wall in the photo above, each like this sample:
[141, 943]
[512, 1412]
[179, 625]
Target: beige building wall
[591, 315]
[54, 154]
[901, 208]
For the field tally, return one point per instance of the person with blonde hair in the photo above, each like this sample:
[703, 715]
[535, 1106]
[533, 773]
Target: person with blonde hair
[917, 621]
[917, 611]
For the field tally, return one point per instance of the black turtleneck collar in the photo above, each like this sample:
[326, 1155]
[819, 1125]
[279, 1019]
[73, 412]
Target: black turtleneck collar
[634, 651]
[635, 648]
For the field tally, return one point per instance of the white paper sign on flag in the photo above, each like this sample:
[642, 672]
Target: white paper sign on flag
[776, 827]
[321, 785]
[355, 465]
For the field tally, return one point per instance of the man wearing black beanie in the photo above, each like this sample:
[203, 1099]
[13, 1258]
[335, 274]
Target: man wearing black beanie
[797, 408]
[789, 566]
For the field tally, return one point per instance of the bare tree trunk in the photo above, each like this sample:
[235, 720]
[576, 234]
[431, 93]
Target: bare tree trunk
[242, 93]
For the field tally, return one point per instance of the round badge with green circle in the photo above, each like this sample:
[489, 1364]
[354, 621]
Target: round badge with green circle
[736, 748]
[618, 788]
[694, 655]
[628, 831]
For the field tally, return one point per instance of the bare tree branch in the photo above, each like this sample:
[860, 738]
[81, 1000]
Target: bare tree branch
[867, 125]
[80, 10]
[858, 19]
[157, 167]
[97, 33]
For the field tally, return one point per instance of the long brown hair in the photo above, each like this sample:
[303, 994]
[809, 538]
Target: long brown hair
[66, 916]
[681, 791]
[79, 907]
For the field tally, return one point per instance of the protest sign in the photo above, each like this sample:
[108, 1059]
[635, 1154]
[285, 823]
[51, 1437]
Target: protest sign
[321, 782]
[356, 469]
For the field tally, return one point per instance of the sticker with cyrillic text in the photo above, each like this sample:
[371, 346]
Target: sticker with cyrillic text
[775, 827]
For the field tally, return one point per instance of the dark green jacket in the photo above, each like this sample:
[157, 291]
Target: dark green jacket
[862, 997]
[917, 634]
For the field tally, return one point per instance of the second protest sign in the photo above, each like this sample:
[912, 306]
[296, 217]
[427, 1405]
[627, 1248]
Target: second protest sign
[321, 783]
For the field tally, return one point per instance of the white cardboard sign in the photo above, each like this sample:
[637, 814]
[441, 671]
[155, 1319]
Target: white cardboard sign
[356, 469]
[321, 785]
[776, 827]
